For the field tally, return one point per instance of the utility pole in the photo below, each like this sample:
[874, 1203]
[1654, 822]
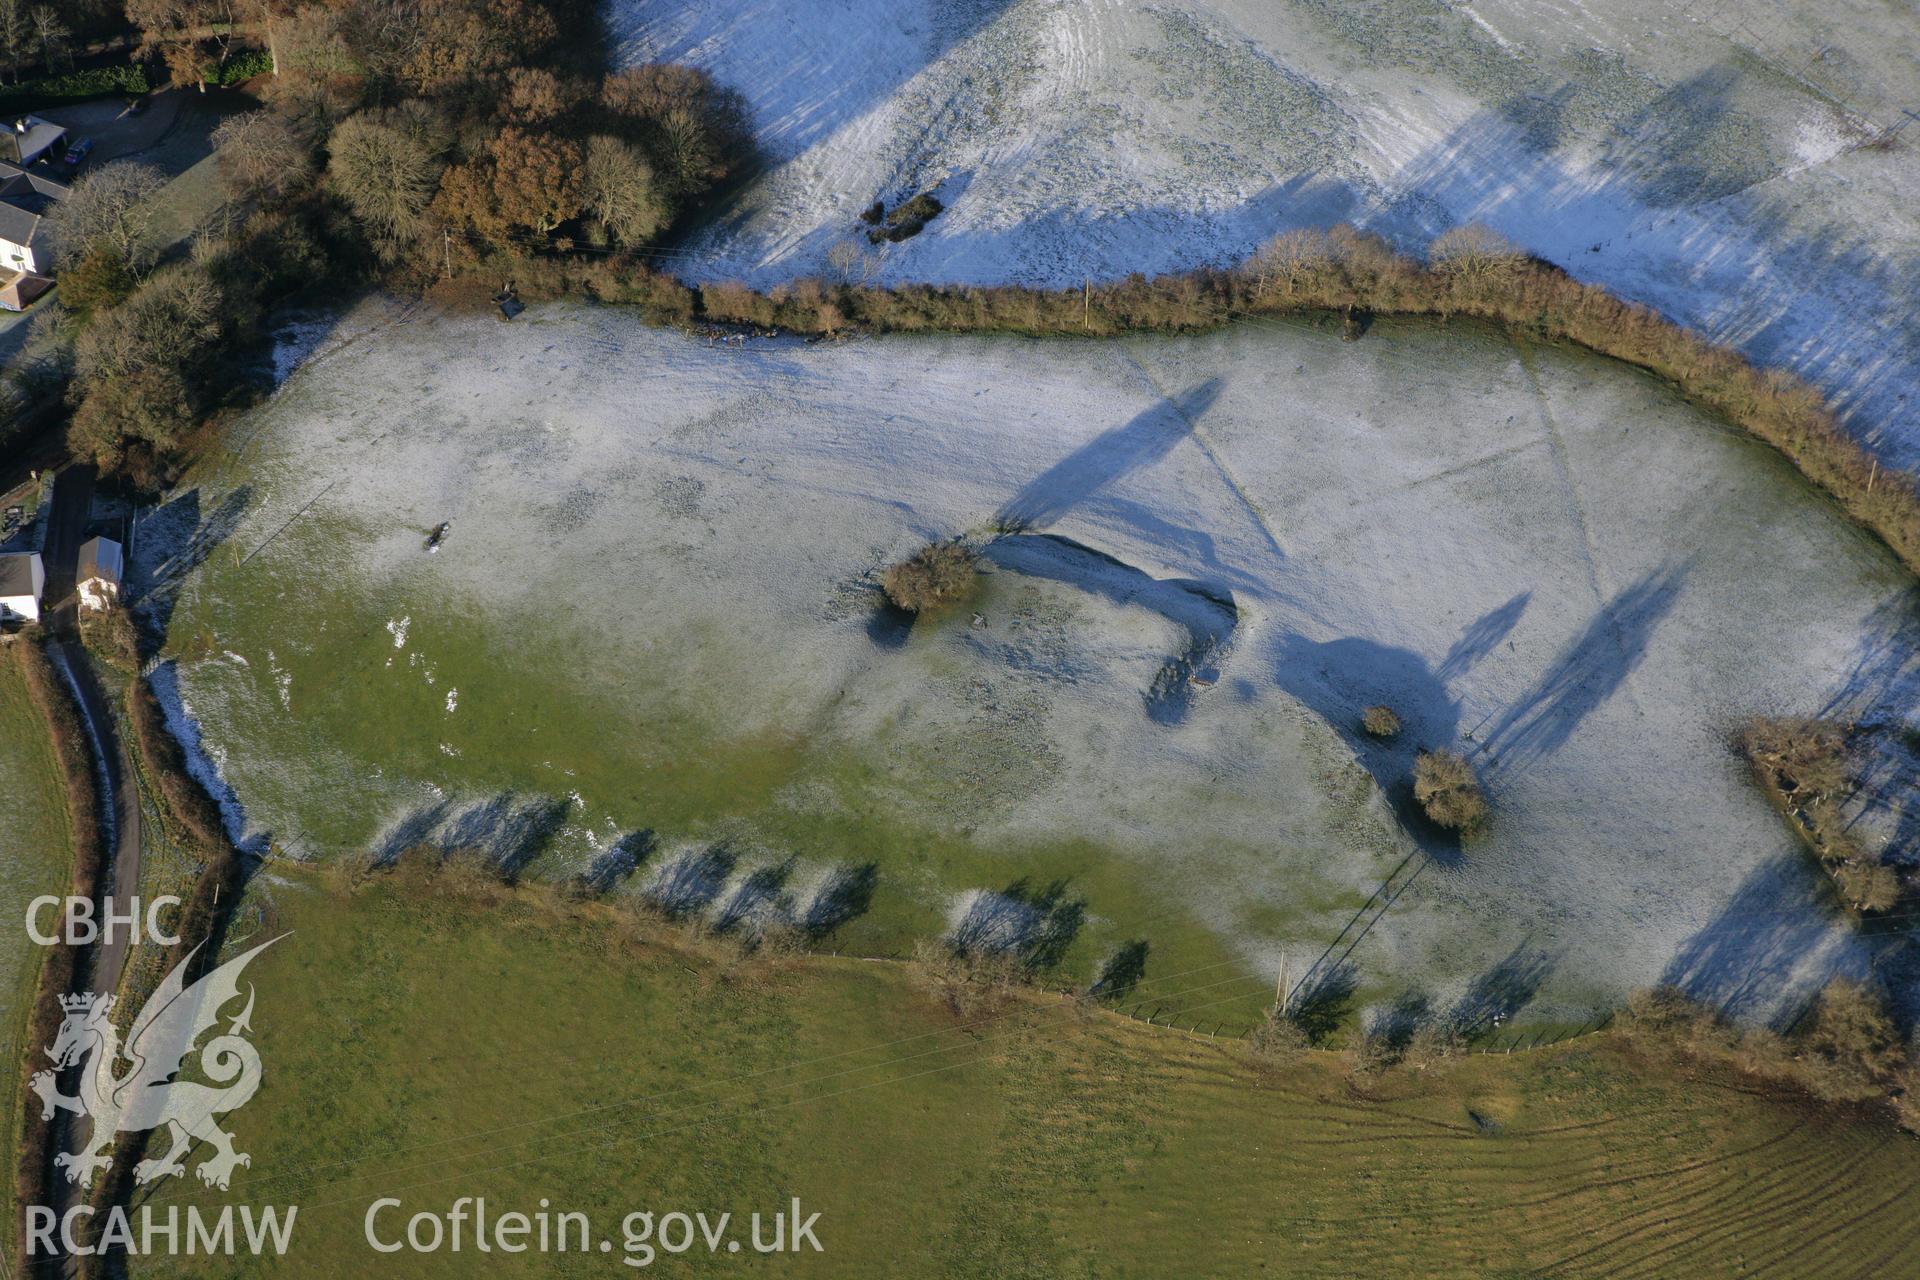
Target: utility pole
[446, 248]
[1086, 304]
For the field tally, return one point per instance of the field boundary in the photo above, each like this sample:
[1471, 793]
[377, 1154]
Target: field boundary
[1339, 274]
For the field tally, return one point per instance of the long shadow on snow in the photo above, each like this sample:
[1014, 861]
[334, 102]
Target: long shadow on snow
[1140, 442]
[1506, 988]
[165, 682]
[1720, 244]
[615, 865]
[845, 895]
[1586, 674]
[691, 881]
[508, 830]
[1775, 942]
[171, 542]
[1033, 925]
[1339, 679]
[1881, 699]
[815, 97]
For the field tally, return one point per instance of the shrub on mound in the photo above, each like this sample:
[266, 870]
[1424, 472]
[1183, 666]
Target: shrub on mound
[1444, 784]
[1380, 721]
[940, 574]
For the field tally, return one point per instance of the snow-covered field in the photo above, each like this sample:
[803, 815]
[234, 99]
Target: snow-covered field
[663, 554]
[1705, 159]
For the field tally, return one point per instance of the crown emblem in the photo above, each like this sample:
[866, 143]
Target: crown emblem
[85, 1001]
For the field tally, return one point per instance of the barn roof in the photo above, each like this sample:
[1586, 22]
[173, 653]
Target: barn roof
[16, 575]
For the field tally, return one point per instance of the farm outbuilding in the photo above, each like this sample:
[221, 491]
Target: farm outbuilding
[102, 563]
[22, 580]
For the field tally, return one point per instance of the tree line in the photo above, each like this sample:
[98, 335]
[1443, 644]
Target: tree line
[399, 141]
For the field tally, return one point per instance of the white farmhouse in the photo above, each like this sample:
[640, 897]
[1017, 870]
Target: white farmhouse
[98, 578]
[25, 260]
[22, 579]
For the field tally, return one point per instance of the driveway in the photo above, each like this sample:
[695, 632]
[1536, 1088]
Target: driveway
[116, 134]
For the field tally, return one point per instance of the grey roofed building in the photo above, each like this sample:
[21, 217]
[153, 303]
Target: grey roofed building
[16, 575]
[25, 199]
[24, 139]
[22, 578]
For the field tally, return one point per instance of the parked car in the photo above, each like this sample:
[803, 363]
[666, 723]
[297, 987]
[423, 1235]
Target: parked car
[77, 153]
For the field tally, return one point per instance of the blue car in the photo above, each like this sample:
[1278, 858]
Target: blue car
[78, 153]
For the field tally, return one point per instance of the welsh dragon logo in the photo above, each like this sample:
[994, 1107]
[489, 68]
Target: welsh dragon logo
[144, 1095]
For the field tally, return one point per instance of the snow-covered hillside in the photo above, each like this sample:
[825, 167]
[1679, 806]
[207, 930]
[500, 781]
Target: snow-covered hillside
[1711, 164]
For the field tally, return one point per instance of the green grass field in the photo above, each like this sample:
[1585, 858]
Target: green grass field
[35, 853]
[420, 1048]
[313, 734]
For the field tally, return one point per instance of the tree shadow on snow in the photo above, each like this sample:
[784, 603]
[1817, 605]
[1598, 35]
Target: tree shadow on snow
[1495, 996]
[1678, 195]
[761, 898]
[1339, 679]
[1035, 926]
[1772, 945]
[844, 895]
[170, 542]
[1148, 437]
[508, 831]
[1586, 674]
[615, 865]
[1323, 999]
[689, 882]
[1122, 971]
[1880, 698]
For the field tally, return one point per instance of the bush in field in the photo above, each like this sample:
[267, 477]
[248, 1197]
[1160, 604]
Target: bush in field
[1806, 768]
[923, 208]
[1445, 786]
[1807, 759]
[970, 983]
[1380, 721]
[1433, 1043]
[112, 637]
[1279, 1039]
[938, 575]
[1850, 1051]
[1853, 1048]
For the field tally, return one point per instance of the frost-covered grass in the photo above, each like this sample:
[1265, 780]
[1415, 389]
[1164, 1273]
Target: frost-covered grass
[1708, 163]
[657, 609]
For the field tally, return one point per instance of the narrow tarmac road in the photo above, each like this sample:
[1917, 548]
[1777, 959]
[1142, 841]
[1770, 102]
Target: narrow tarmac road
[66, 530]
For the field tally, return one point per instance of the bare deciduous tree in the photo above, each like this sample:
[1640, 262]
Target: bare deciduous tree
[619, 189]
[110, 209]
[51, 31]
[1291, 261]
[13, 34]
[261, 156]
[386, 167]
[1478, 258]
